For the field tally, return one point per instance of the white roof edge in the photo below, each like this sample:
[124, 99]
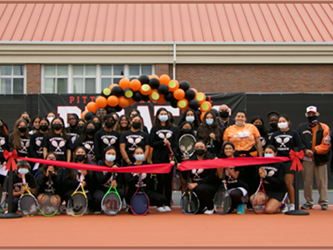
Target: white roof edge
[158, 43]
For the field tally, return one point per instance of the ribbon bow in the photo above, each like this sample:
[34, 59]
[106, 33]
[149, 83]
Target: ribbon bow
[10, 157]
[296, 157]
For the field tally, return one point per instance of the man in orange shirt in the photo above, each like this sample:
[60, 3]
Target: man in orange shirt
[315, 136]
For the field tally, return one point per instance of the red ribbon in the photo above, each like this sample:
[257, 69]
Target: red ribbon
[10, 157]
[296, 157]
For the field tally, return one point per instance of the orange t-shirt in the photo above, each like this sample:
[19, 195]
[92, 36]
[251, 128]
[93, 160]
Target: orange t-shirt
[242, 137]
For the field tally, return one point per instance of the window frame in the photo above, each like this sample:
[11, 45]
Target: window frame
[12, 76]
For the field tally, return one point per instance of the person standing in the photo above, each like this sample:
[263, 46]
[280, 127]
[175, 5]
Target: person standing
[224, 120]
[316, 138]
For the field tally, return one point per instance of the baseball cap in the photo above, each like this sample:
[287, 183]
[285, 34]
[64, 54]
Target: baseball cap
[311, 109]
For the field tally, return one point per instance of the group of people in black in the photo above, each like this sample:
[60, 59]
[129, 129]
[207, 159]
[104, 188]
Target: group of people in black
[116, 142]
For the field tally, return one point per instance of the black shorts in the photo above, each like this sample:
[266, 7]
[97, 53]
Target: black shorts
[287, 166]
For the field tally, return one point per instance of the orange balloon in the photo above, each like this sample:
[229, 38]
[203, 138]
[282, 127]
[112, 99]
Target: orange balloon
[145, 89]
[124, 83]
[161, 100]
[83, 114]
[113, 100]
[112, 85]
[164, 79]
[201, 97]
[182, 104]
[202, 115]
[92, 107]
[205, 106]
[123, 102]
[135, 85]
[154, 76]
[173, 85]
[131, 101]
[154, 95]
[179, 94]
[101, 102]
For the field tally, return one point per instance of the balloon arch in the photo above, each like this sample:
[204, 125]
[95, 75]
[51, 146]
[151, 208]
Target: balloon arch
[157, 89]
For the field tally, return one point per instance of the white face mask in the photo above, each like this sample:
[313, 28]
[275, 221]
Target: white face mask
[23, 171]
[283, 125]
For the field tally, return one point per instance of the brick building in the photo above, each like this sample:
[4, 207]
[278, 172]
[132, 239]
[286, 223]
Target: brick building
[80, 46]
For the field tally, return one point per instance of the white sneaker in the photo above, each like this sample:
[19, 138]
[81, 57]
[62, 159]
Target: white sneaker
[291, 207]
[167, 209]
[160, 209]
[209, 211]
[284, 208]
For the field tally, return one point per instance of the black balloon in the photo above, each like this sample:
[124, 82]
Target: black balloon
[109, 110]
[194, 104]
[118, 108]
[145, 98]
[154, 83]
[143, 79]
[173, 103]
[168, 96]
[189, 94]
[137, 96]
[184, 85]
[117, 91]
[88, 115]
[163, 89]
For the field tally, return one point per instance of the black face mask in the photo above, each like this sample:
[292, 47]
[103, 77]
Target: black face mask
[80, 158]
[313, 120]
[273, 125]
[224, 114]
[80, 127]
[26, 119]
[97, 124]
[136, 125]
[90, 131]
[259, 127]
[109, 124]
[56, 126]
[22, 129]
[186, 131]
[43, 127]
[200, 152]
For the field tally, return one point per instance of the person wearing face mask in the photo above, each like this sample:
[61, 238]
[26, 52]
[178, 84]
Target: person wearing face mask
[224, 119]
[56, 140]
[272, 117]
[284, 140]
[259, 123]
[162, 134]
[203, 181]
[98, 122]
[104, 180]
[132, 139]
[20, 139]
[35, 124]
[71, 178]
[190, 116]
[134, 112]
[86, 140]
[80, 124]
[36, 147]
[273, 180]
[123, 124]
[4, 146]
[315, 136]
[50, 116]
[73, 130]
[106, 137]
[155, 199]
[211, 133]
[23, 167]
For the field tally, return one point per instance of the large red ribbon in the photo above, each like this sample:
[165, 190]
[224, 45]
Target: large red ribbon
[10, 157]
[296, 157]
[163, 168]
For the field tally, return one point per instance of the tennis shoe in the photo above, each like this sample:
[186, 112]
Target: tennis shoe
[160, 209]
[167, 209]
[241, 209]
[209, 211]
[284, 208]
[324, 207]
[291, 207]
[306, 206]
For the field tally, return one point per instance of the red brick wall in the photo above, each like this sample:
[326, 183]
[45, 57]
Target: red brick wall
[257, 78]
[161, 69]
[33, 78]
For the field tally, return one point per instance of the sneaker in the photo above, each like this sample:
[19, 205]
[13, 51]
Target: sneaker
[209, 211]
[249, 207]
[241, 209]
[291, 207]
[167, 209]
[306, 206]
[284, 208]
[97, 212]
[324, 207]
[160, 209]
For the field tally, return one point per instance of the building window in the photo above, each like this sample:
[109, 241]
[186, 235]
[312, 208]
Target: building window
[84, 78]
[137, 70]
[56, 79]
[12, 79]
[111, 74]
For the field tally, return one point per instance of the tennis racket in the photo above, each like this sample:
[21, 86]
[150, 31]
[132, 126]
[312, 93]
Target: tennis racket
[259, 200]
[186, 145]
[78, 203]
[111, 202]
[27, 204]
[176, 180]
[140, 201]
[189, 201]
[222, 199]
[49, 203]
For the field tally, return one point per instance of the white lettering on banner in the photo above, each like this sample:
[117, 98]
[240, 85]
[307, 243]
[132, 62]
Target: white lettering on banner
[64, 110]
[145, 114]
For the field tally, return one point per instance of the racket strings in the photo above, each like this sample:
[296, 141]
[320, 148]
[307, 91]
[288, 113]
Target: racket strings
[77, 204]
[111, 204]
[259, 202]
[49, 204]
[222, 202]
[140, 204]
[190, 203]
[28, 205]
